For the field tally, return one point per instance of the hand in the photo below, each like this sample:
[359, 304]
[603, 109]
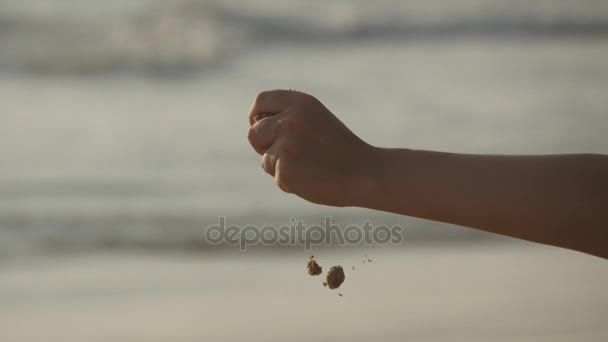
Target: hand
[307, 150]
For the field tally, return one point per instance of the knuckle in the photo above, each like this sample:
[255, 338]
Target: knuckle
[261, 96]
[251, 135]
[267, 164]
[307, 100]
[254, 140]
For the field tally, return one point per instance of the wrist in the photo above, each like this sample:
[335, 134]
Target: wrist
[373, 181]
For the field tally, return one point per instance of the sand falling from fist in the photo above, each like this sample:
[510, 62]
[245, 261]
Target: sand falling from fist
[335, 277]
[313, 268]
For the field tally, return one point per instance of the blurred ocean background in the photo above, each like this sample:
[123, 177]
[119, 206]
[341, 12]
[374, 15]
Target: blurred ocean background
[123, 136]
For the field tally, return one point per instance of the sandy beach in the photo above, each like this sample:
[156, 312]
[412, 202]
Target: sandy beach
[511, 292]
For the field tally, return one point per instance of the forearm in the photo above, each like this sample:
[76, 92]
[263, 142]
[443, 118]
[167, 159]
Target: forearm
[560, 200]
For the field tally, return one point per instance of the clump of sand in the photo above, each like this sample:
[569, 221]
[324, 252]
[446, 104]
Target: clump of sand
[313, 268]
[335, 277]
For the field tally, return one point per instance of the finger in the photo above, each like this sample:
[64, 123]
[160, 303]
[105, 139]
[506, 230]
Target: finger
[270, 102]
[279, 178]
[269, 161]
[263, 133]
[261, 116]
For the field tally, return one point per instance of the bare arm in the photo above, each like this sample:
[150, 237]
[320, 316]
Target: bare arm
[560, 200]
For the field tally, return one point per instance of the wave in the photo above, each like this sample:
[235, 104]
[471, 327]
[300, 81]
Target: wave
[74, 233]
[178, 37]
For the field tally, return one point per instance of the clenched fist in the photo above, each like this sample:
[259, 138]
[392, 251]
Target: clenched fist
[307, 150]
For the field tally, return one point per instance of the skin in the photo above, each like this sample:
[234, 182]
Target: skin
[559, 200]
